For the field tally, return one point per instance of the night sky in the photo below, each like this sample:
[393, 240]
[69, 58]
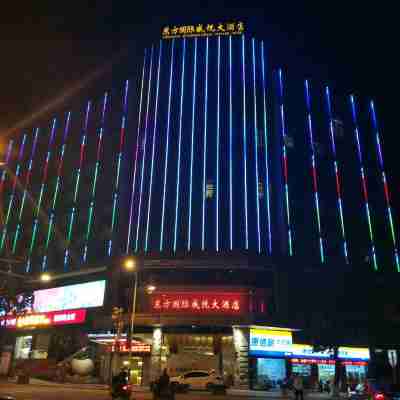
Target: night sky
[46, 50]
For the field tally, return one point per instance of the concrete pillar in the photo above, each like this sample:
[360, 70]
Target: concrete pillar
[241, 338]
[156, 353]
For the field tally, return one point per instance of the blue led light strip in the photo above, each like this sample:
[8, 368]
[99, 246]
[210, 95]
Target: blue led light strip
[13, 190]
[337, 174]
[314, 169]
[203, 218]
[189, 243]
[7, 160]
[35, 227]
[256, 148]
[26, 188]
[118, 169]
[167, 148]
[76, 189]
[217, 144]
[146, 244]
[285, 163]
[94, 180]
[230, 149]
[133, 190]
[56, 191]
[269, 238]
[144, 152]
[364, 182]
[385, 185]
[245, 147]
[178, 168]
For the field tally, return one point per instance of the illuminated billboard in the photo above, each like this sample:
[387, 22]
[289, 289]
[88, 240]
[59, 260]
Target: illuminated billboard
[270, 342]
[71, 297]
[210, 29]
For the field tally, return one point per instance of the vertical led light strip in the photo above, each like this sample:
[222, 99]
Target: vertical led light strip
[203, 217]
[146, 243]
[256, 147]
[314, 170]
[364, 183]
[189, 242]
[230, 149]
[217, 144]
[264, 83]
[167, 148]
[337, 175]
[385, 185]
[56, 191]
[94, 181]
[144, 152]
[285, 163]
[128, 241]
[12, 195]
[4, 172]
[42, 190]
[118, 169]
[26, 189]
[178, 168]
[76, 190]
[245, 147]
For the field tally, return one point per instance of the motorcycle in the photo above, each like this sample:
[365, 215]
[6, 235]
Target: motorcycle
[121, 392]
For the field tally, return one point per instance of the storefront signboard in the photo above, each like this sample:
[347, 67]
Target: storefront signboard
[307, 351]
[270, 342]
[199, 303]
[354, 353]
[136, 347]
[39, 320]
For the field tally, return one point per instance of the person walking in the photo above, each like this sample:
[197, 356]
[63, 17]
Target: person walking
[298, 387]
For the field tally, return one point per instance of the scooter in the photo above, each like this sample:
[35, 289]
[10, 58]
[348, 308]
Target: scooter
[121, 392]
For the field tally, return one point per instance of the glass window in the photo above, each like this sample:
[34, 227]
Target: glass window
[23, 346]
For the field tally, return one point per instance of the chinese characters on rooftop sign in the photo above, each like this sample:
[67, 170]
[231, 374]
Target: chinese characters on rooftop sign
[199, 303]
[226, 28]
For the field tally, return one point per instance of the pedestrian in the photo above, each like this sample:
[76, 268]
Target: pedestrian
[298, 387]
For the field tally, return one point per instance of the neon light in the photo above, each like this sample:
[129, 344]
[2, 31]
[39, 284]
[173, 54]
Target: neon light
[4, 172]
[146, 244]
[128, 241]
[230, 149]
[26, 188]
[189, 243]
[266, 149]
[245, 147]
[167, 149]
[178, 172]
[363, 180]
[203, 219]
[42, 190]
[385, 185]
[285, 163]
[94, 182]
[256, 148]
[56, 191]
[144, 152]
[13, 190]
[217, 146]
[77, 180]
[314, 170]
[337, 175]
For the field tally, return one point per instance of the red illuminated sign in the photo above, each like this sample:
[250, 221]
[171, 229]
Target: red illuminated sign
[136, 347]
[312, 361]
[199, 302]
[54, 318]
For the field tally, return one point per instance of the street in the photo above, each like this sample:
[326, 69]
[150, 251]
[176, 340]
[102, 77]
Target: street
[33, 392]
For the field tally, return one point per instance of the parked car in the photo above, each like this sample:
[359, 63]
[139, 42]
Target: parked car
[376, 391]
[198, 380]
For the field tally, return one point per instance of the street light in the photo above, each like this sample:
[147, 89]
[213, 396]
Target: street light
[45, 277]
[130, 264]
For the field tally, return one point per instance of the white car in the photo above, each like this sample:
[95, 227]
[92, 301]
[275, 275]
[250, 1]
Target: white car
[198, 380]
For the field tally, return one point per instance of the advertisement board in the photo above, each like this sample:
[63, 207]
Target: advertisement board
[354, 353]
[306, 351]
[270, 342]
[83, 295]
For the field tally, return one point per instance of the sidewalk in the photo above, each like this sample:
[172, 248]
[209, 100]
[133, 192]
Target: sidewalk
[40, 382]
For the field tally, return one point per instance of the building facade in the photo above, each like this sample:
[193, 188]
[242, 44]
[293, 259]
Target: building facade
[219, 176]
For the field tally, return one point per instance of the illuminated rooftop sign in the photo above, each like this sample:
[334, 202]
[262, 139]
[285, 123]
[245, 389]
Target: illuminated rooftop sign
[226, 28]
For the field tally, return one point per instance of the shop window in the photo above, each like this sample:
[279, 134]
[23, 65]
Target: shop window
[23, 346]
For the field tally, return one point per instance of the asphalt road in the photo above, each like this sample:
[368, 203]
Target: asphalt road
[31, 392]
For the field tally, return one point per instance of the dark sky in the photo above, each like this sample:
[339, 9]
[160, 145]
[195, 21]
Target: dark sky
[46, 49]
